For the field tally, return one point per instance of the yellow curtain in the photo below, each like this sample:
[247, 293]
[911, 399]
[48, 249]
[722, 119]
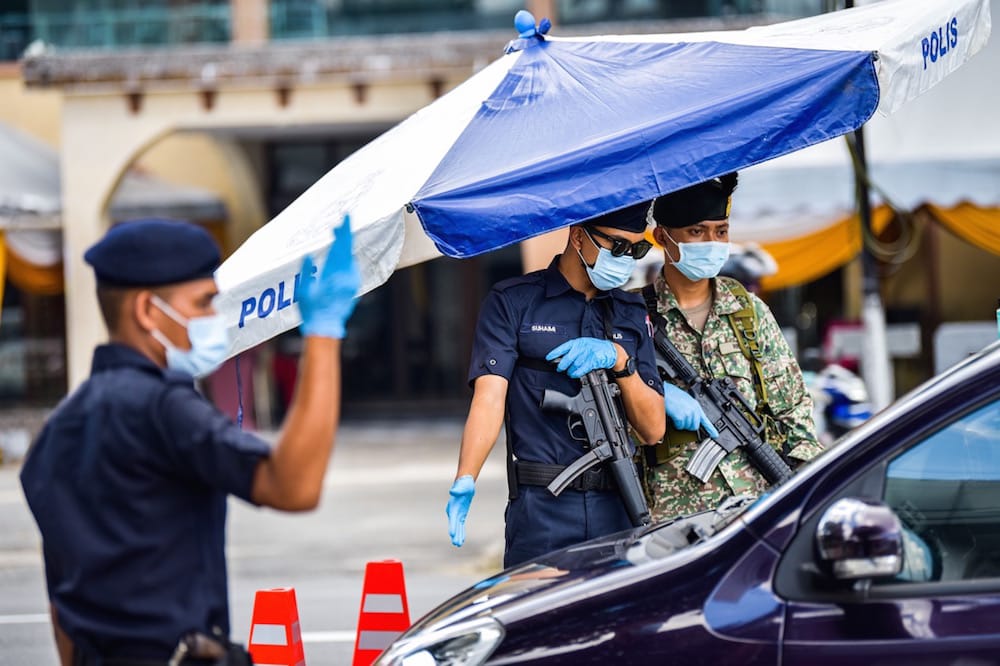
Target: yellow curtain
[40, 280]
[975, 225]
[807, 258]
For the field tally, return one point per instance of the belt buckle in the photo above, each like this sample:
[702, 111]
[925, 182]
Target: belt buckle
[592, 479]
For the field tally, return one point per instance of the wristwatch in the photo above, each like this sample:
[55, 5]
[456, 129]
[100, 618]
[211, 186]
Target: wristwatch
[627, 371]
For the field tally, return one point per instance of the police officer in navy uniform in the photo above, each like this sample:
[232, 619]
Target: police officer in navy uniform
[129, 477]
[541, 331]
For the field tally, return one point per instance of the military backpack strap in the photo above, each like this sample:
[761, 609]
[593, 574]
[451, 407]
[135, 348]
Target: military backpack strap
[744, 325]
[653, 308]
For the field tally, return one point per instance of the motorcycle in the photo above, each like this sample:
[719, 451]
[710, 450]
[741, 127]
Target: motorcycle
[840, 401]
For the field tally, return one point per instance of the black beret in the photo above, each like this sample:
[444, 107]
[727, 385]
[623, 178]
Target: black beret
[709, 200]
[631, 218]
[152, 252]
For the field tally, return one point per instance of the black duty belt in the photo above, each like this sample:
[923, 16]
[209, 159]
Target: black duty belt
[540, 474]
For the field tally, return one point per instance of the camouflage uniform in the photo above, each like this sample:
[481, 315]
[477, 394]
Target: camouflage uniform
[716, 352]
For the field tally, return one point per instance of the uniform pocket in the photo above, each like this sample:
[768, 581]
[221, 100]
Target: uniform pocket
[780, 381]
[537, 339]
[739, 369]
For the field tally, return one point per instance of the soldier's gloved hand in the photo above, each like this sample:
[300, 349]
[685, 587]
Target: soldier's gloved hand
[458, 507]
[582, 355]
[685, 411]
[327, 300]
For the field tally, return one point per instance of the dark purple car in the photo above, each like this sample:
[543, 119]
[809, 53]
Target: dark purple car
[884, 550]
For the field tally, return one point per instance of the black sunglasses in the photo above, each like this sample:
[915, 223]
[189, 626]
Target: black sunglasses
[620, 246]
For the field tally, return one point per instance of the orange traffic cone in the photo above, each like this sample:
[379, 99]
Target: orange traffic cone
[384, 614]
[275, 636]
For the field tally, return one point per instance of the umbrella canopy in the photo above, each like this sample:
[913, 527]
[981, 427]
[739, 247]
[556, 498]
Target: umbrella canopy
[560, 130]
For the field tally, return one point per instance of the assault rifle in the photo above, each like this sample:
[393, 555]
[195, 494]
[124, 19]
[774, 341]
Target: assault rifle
[597, 408]
[724, 405]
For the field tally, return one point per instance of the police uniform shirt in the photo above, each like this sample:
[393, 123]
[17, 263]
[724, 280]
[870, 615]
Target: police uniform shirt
[528, 316]
[128, 482]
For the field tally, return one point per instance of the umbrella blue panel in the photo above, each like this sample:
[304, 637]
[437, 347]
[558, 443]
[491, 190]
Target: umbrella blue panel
[577, 129]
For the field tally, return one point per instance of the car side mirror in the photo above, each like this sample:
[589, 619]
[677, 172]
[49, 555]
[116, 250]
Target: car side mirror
[858, 538]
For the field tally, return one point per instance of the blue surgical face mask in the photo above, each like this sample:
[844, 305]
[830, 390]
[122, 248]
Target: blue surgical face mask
[700, 260]
[608, 272]
[209, 342]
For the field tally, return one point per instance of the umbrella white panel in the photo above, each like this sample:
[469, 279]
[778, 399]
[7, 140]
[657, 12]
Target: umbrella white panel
[373, 185]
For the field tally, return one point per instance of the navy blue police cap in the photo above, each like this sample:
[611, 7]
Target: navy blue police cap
[153, 252]
[710, 200]
[631, 218]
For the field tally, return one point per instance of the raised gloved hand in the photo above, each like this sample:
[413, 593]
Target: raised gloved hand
[582, 355]
[327, 300]
[685, 411]
[458, 507]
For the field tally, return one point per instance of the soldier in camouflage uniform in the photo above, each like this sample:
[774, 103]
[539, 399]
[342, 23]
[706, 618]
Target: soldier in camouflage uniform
[703, 315]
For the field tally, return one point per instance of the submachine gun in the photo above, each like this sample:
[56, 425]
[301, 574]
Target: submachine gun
[724, 405]
[596, 406]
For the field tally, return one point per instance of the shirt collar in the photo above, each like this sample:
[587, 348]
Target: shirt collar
[724, 301]
[115, 355]
[556, 283]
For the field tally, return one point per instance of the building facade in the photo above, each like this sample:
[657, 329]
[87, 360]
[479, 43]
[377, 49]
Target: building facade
[255, 100]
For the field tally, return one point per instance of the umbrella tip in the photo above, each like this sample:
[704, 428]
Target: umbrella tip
[528, 34]
[524, 23]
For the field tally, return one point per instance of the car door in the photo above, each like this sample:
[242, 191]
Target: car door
[944, 607]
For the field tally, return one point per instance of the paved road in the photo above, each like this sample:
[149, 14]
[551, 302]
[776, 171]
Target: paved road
[384, 499]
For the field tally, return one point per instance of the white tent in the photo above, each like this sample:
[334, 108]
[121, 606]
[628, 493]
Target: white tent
[31, 202]
[943, 151]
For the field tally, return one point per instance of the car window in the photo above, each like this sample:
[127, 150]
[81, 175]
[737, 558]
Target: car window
[946, 492]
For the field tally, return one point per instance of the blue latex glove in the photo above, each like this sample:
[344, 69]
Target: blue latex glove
[685, 411]
[582, 355]
[327, 301]
[458, 507]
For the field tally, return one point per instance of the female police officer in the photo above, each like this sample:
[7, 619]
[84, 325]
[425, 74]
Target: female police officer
[574, 313]
[129, 477]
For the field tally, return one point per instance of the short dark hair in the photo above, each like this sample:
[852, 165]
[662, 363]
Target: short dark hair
[110, 299]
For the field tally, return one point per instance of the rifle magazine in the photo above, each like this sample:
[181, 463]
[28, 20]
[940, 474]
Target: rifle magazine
[705, 459]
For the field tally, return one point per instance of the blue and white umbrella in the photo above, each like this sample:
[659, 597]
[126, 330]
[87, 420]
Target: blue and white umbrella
[560, 130]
